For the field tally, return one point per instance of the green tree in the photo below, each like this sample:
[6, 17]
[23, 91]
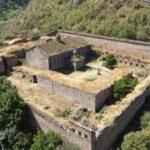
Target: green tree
[12, 111]
[12, 138]
[11, 108]
[46, 141]
[139, 140]
[123, 87]
[110, 61]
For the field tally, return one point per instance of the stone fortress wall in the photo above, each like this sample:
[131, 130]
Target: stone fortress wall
[90, 95]
[72, 132]
[138, 48]
[114, 121]
[118, 116]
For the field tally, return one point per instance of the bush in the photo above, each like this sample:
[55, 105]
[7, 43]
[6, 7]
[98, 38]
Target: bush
[11, 106]
[12, 138]
[137, 141]
[46, 141]
[68, 146]
[123, 87]
[145, 120]
[110, 61]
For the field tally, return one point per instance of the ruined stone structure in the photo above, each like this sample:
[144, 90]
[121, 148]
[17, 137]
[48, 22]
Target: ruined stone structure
[135, 48]
[114, 122]
[55, 55]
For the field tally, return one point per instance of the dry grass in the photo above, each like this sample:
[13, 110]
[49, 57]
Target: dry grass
[92, 87]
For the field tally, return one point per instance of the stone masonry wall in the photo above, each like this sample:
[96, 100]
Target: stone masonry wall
[83, 137]
[138, 48]
[35, 58]
[73, 94]
[118, 116]
[61, 60]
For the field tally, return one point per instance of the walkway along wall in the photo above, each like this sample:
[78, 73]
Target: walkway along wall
[138, 48]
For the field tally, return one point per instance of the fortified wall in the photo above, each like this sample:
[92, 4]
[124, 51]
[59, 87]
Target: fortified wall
[90, 95]
[70, 131]
[116, 117]
[137, 48]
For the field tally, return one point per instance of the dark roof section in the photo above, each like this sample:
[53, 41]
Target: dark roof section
[66, 44]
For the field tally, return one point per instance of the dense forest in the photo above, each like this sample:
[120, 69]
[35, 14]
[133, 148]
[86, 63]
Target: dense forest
[117, 18]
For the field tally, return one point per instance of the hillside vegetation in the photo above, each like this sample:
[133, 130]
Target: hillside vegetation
[116, 18]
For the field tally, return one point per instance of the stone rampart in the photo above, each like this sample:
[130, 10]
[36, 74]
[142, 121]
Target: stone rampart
[90, 95]
[71, 131]
[118, 116]
[138, 48]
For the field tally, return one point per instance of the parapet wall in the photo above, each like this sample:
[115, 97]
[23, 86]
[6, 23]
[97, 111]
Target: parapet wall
[71, 131]
[118, 116]
[138, 48]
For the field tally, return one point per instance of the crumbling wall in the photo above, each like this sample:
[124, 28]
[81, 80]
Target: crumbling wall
[36, 58]
[70, 93]
[62, 59]
[118, 116]
[72, 132]
[138, 48]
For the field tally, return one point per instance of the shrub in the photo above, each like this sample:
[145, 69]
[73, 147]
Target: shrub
[12, 138]
[62, 113]
[145, 120]
[68, 146]
[110, 61]
[123, 87]
[136, 140]
[46, 141]
[11, 106]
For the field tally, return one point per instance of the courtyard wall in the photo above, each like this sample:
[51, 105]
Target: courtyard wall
[72, 132]
[117, 117]
[138, 48]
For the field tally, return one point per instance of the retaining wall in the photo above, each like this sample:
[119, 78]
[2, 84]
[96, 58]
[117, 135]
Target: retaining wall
[118, 116]
[83, 137]
[138, 48]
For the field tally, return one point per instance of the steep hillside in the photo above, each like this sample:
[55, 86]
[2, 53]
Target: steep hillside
[117, 18]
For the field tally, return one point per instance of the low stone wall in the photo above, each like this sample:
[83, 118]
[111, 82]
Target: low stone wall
[83, 137]
[138, 48]
[2, 68]
[118, 116]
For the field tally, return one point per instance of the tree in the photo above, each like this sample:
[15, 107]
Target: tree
[46, 141]
[123, 87]
[12, 112]
[139, 140]
[11, 108]
[110, 61]
[12, 138]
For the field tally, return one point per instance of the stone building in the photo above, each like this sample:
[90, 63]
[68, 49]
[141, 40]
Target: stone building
[57, 54]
